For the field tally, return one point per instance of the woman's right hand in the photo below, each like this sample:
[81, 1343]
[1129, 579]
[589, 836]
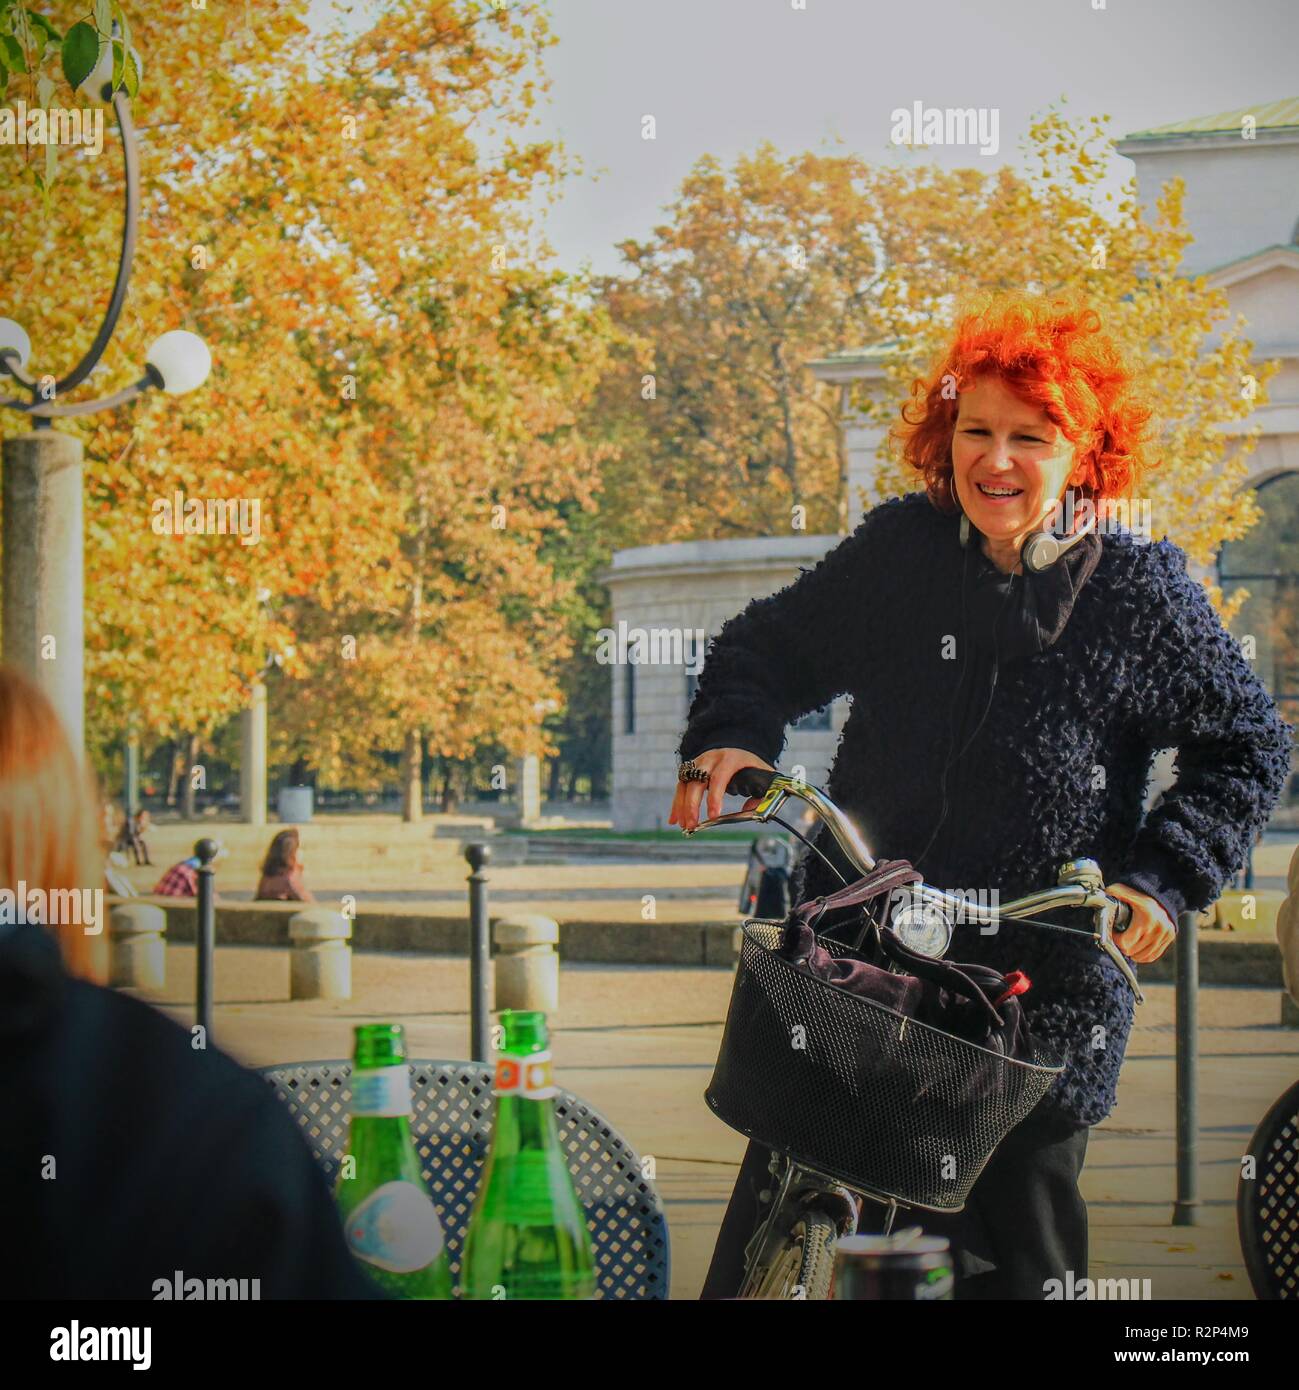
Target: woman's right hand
[721, 764]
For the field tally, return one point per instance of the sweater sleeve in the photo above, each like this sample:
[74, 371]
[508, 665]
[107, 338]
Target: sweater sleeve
[1195, 691]
[789, 653]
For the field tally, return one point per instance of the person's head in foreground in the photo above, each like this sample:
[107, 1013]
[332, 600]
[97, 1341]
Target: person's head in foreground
[50, 839]
[132, 1149]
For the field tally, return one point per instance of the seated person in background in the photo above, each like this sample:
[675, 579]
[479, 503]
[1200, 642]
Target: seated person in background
[180, 881]
[127, 1152]
[281, 879]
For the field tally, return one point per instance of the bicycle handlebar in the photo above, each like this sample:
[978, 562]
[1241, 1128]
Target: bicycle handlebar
[1081, 884]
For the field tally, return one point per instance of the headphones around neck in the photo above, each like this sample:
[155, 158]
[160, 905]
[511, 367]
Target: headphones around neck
[1043, 547]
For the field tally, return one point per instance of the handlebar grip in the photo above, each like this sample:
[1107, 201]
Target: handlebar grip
[750, 781]
[1122, 918]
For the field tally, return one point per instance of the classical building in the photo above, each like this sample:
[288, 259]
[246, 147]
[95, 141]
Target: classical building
[1241, 171]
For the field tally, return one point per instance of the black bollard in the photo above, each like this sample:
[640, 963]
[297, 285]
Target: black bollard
[205, 935]
[1188, 1110]
[480, 950]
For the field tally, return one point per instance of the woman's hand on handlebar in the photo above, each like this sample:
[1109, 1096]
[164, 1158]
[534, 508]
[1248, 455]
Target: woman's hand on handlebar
[1150, 933]
[721, 764]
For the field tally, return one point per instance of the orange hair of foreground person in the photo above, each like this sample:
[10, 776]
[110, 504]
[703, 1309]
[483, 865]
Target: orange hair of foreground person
[48, 815]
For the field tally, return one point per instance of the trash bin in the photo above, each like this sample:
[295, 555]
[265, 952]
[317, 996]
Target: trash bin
[294, 804]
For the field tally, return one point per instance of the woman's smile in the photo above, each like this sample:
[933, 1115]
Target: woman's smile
[999, 493]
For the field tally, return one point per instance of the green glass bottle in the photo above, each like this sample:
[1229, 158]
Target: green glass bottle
[527, 1236]
[391, 1223]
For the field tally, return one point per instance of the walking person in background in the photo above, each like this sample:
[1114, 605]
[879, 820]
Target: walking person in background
[1012, 677]
[281, 879]
[126, 1154]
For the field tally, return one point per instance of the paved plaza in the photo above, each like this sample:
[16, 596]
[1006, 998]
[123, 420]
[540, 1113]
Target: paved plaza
[639, 1042]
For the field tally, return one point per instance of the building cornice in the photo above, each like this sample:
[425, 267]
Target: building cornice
[686, 558]
[1203, 140]
[1255, 263]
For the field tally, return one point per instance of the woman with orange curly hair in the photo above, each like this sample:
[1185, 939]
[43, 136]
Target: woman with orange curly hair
[1016, 657]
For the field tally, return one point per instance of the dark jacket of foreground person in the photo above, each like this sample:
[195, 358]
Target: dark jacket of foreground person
[1118, 654]
[126, 1155]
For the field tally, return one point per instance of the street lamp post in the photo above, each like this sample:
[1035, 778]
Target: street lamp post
[42, 472]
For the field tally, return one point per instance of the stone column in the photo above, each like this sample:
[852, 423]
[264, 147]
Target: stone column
[252, 758]
[44, 588]
[528, 772]
[527, 963]
[320, 963]
[138, 946]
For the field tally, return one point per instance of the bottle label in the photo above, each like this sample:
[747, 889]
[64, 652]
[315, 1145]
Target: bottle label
[384, 1091]
[396, 1228]
[527, 1076]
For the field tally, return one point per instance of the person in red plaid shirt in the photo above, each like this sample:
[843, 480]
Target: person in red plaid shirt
[180, 881]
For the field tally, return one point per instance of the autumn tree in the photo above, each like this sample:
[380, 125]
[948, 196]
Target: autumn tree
[720, 428]
[344, 218]
[173, 633]
[463, 380]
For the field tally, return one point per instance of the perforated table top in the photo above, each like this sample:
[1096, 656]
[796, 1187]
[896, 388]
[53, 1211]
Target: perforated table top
[1267, 1205]
[452, 1122]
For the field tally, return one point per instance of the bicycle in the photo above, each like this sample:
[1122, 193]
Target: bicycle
[836, 1140]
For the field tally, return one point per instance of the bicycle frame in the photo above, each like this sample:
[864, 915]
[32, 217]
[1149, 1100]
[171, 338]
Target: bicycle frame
[796, 1184]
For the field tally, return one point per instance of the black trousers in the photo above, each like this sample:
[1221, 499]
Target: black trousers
[1024, 1222]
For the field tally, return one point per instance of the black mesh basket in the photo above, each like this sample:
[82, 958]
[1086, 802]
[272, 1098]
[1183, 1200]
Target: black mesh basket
[873, 1098]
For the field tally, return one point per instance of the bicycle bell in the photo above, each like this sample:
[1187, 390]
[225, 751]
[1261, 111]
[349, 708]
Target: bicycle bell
[922, 926]
[1084, 871]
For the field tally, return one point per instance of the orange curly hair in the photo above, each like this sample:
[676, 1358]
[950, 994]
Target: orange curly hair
[1052, 352]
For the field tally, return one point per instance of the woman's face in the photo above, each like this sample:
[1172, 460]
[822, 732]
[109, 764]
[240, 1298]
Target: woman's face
[1011, 447]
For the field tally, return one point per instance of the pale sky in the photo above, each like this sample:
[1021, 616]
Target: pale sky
[720, 76]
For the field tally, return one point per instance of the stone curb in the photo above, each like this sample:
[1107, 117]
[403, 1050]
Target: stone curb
[1222, 961]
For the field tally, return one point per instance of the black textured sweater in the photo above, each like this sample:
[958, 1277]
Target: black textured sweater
[1057, 769]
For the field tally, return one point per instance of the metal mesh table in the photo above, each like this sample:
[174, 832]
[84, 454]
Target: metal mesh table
[1267, 1206]
[452, 1125]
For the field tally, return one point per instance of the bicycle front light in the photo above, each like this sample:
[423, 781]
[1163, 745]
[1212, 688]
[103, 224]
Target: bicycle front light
[922, 927]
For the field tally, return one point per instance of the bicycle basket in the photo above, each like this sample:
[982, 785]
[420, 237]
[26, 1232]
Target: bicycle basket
[871, 1097]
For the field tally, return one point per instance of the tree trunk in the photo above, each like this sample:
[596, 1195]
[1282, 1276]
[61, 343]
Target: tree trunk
[189, 801]
[173, 777]
[412, 781]
[789, 466]
[572, 784]
[556, 771]
[412, 757]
